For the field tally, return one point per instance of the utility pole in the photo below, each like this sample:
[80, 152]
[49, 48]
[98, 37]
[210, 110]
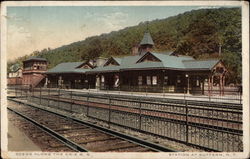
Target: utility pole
[219, 49]
[147, 27]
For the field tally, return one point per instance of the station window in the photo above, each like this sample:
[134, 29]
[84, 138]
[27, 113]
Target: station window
[197, 81]
[148, 80]
[102, 79]
[154, 80]
[77, 81]
[139, 80]
[219, 69]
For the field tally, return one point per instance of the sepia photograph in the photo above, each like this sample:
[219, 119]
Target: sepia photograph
[135, 79]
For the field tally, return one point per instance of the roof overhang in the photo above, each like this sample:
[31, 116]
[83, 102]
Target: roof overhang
[35, 60]
[65, 72]
[104, 71]
[166, 68]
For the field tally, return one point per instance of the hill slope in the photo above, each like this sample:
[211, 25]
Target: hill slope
[198, 33]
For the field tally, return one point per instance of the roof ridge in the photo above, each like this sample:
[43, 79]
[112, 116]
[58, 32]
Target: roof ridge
[72, 62]
[163, 53]
[199, 60]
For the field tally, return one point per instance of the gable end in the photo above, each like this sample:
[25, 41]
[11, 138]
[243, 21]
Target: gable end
[111, 62]
[148, 57]
[85, 65]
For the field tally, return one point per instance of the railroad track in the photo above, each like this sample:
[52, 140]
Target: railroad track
[82, 136]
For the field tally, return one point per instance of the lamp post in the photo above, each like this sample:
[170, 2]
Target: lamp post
[187, 76]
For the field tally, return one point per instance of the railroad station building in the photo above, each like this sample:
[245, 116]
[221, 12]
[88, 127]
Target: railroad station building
[143, 71]
[159, 72]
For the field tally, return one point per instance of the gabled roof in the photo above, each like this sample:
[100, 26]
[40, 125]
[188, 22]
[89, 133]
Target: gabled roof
[145, 55]
[105, 69]
[129, 60]
[68, 67]
[125, 62]
[147, 39]
[116, 59]
[35, 58]
[170, 61]
[144, 65]
[167, 61]
[200, 64]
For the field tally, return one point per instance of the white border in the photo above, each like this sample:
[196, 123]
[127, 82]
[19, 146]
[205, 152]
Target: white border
[3, 83]
[122, 3]
[245, 64]
[245, 76]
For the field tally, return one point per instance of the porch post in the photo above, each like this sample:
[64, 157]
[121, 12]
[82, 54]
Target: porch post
[162, 75]
[220, 85]
[223, 84]
[212, 84]
[46, 82]
[202, 85]
[120, 81]
[209, 85]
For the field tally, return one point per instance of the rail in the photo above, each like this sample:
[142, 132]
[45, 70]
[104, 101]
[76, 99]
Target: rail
[72, 145]
[77, 147]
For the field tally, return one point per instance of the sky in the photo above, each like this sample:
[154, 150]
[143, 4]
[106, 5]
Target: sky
[37, 27]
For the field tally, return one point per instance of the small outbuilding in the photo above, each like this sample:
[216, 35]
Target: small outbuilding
[14, 76]
[33, 71]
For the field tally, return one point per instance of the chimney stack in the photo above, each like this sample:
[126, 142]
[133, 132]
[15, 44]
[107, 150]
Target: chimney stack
[135, 50]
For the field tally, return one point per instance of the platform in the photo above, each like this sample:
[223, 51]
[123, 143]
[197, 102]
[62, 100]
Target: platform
[18, 141]
[215, 98]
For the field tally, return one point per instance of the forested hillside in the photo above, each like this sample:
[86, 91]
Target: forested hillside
[198, 33]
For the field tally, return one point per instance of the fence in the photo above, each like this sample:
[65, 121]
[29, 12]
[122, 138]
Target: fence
[213, 126]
